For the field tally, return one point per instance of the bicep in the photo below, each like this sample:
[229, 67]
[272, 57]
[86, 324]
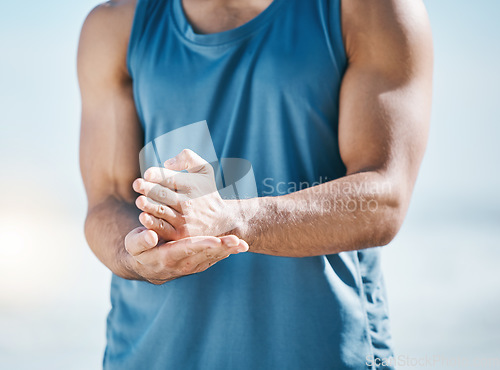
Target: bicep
[110, 142]
[386, 92]
[111, 135]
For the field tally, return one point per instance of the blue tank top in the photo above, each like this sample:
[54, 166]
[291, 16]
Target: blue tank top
[267, 93]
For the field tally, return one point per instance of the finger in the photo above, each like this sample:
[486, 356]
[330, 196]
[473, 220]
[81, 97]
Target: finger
[207, 258]
[162, 227]
[236, 244]
[242, 246]
[190, 161]
[158, 210]
[158, 193]
[171, 253]
[187, 256]
[174, 180]
[230, 240]
[140, 240]
[180, 249]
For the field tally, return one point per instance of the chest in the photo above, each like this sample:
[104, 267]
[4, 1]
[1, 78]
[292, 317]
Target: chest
[208, 17]
[276, 74]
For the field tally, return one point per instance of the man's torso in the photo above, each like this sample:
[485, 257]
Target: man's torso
[268, 92]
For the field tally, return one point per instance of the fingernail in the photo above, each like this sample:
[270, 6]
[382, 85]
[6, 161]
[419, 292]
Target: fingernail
[170, 162]
[137, 184]
[243, 247]
[231, 243]
[150, 239]
[147, 219]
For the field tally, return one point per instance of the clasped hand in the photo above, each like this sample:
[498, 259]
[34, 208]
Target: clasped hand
[183, 217]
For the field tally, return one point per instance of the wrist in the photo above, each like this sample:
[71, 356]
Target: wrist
[241, 216]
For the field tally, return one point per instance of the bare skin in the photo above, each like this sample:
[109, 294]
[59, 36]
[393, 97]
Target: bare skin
[221, 15]
[111, 138]
[384, 115]
[383, 125]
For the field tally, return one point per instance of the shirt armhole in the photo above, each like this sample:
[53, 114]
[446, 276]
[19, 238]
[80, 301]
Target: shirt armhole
[137, 30]
[332, 18]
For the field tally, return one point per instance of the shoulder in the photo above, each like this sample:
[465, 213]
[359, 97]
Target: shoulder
[111, 13]
[396, 31]
[105, 35]
[111, 18]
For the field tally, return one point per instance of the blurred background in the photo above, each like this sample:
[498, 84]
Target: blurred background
[441, 271]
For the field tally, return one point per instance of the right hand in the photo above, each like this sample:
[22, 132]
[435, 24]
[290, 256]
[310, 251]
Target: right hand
[161, 262]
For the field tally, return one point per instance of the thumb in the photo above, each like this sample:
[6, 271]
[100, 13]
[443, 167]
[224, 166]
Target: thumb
[190, 161]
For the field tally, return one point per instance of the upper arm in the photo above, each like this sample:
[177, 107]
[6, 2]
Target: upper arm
[111, 136]
[386, 91]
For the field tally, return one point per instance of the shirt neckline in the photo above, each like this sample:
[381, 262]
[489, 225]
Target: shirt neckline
[214, 39]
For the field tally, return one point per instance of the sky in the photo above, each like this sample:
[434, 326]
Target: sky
[441, 270]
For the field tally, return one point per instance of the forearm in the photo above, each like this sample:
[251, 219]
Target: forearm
[106, 226]
[355, 212]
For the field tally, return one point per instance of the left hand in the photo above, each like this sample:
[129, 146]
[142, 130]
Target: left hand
[178, 204]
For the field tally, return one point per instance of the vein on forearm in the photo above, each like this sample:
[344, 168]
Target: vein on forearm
[355, 212]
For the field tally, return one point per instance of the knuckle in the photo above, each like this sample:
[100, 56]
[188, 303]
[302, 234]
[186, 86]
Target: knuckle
[189, 189]
[158, 269]
[209, 253]
[167, 263]
[162, 210]
[163, 258]
[162, 193]
[182, 231]
[187, 152]
[209, 169]
[175, 198]
[162, 224]
[216, 244]
[190, 252]
[162, 263]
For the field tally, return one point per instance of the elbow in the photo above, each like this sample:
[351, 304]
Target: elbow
[87, 228]
[388, 232]
[390, 221]
[93, 221]
[90, 228]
